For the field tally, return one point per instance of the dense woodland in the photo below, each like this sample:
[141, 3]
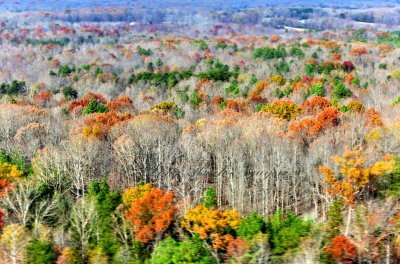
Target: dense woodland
[222, 147]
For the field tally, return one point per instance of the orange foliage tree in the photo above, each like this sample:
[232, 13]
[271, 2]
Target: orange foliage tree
[98, 125]
[255, 94]
[151, 213]
[237, 248]
[316, 105]
[373, 118]
[120, 104]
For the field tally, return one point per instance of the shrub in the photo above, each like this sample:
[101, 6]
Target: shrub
[42, 98]
[315, 105]
[278, 79]
[396, 74]
[356, 106]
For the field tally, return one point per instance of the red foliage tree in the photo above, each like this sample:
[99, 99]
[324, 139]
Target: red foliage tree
[42, 98]
[342, 249]
[310, 127]
[1, 220]
[348, 66]
[86, 100]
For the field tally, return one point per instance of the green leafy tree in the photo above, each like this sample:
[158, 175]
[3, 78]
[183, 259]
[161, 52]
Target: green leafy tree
[190, 250]
[194, 99]
[144, 52]
[232, 89]
[310, 69]
[65, 70]
[159, 63]
[318, 89]
[389, 184]
[217, 72]
[178, 112]
[98, 71]
[295, 51]
[251, 225]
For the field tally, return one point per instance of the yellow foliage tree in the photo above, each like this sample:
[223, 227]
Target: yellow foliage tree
[212, 224]
[352, 175]
[8, 174]
[133, 194]
[13, 242]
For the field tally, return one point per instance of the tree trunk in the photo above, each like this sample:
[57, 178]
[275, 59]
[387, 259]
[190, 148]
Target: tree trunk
[348, 222]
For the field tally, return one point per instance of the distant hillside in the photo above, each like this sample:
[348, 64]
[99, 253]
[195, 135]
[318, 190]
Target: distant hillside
[27, 5]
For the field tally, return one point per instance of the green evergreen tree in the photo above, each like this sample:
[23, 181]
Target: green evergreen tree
[210, 198]
[39, 252]
[285, 231]
[335, 217]
[94, 107]
[340, 90]
[106, 203]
